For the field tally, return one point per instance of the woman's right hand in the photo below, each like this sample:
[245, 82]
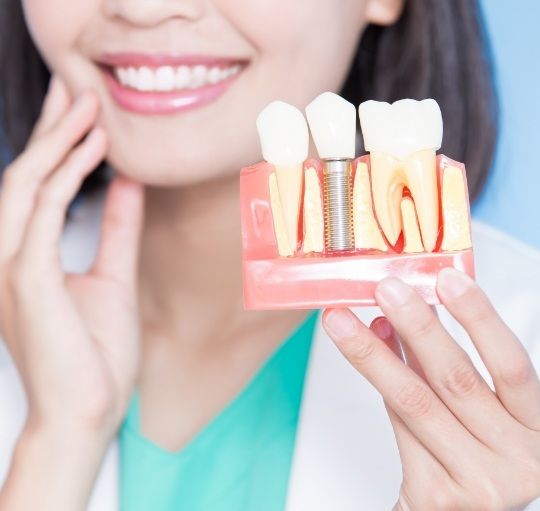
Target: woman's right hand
[73, 337]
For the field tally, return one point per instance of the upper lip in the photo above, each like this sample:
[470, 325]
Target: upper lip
[136, 59]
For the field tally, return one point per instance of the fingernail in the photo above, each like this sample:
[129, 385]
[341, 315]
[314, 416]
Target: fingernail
[393, 292]
[340, 322]
[453, 283]
[382, 328]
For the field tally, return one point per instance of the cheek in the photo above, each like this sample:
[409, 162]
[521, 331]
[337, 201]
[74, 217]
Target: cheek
[55, 27]
[301, 50]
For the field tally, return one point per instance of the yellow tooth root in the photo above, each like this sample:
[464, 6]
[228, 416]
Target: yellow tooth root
[277, 216]
[456, 221]
[313, 213]
[421, 174]
[366, 231]
[289, 183]
[387, 182]
[411, 231]
[418, 172]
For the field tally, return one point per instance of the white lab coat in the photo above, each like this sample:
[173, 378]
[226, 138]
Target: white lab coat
[345, 457]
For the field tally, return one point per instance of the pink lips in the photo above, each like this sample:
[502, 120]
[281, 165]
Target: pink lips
[156, 103]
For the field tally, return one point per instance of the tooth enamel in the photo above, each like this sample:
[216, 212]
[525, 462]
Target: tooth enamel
[411, 232]
[366, 231]
[164, 78]
[456, 225]
[313, 213]
[278, 218]
[168, 78]
[332, 121]
[132, 77]
[145, 79]
[284, 141]
[401, 128]
[198, 77]
[403, 138]
[182, 77]
[122, 75]
[214, 75]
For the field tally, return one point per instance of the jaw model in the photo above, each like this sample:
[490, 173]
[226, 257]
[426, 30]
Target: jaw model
[408, 207]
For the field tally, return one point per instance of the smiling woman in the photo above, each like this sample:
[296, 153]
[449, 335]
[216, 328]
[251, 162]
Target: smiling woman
[426, 53]
[126, 330]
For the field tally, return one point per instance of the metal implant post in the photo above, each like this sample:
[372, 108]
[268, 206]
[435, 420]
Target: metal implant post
[338, 204]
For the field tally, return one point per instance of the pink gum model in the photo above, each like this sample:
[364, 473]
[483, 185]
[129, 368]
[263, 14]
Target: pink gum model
[316, 280]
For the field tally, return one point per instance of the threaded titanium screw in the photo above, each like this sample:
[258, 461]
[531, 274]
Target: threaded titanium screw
[338, 205]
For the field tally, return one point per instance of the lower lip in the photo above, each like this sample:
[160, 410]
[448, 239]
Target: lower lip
[164, 103]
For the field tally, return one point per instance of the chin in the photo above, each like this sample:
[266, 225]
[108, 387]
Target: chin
[152, 167]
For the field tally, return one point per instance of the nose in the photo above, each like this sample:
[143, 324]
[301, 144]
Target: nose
[148, 13]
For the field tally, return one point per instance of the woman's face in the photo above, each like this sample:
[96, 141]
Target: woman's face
[203, 126]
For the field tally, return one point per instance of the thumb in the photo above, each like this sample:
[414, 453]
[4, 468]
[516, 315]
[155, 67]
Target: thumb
[118, 252]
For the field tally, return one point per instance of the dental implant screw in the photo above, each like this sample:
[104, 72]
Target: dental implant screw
[338, 205]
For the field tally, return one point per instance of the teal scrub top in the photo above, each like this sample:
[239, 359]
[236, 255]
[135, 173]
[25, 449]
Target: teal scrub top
[240, 461]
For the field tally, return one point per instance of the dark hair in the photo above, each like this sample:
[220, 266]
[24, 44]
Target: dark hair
[437, 48]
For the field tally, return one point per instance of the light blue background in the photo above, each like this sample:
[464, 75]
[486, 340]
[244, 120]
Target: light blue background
[511, 200]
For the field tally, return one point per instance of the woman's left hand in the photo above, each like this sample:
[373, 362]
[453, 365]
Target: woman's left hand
[462, 446]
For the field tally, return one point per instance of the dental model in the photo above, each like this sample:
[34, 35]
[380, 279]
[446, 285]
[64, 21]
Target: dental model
[323, 232]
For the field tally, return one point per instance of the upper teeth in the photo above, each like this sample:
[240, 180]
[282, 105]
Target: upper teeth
[168, 78]
[401, 128]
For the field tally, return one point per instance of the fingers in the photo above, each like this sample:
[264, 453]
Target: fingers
[446, 366]
[389, 335]
[56, 104]
[509, 364]
[414, 456]
[23, 178]
[416, 460]
[117, 256]
[40, 245]
[405, 392]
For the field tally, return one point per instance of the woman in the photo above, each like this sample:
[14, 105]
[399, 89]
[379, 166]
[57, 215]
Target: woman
[149, 339]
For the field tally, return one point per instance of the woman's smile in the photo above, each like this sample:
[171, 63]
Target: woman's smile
[166, 84]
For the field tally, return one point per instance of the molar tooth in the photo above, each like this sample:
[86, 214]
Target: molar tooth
[403, 138]
[455, 210]
[313, 213]
[366, 231]
[284, 140]
[411, 232]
